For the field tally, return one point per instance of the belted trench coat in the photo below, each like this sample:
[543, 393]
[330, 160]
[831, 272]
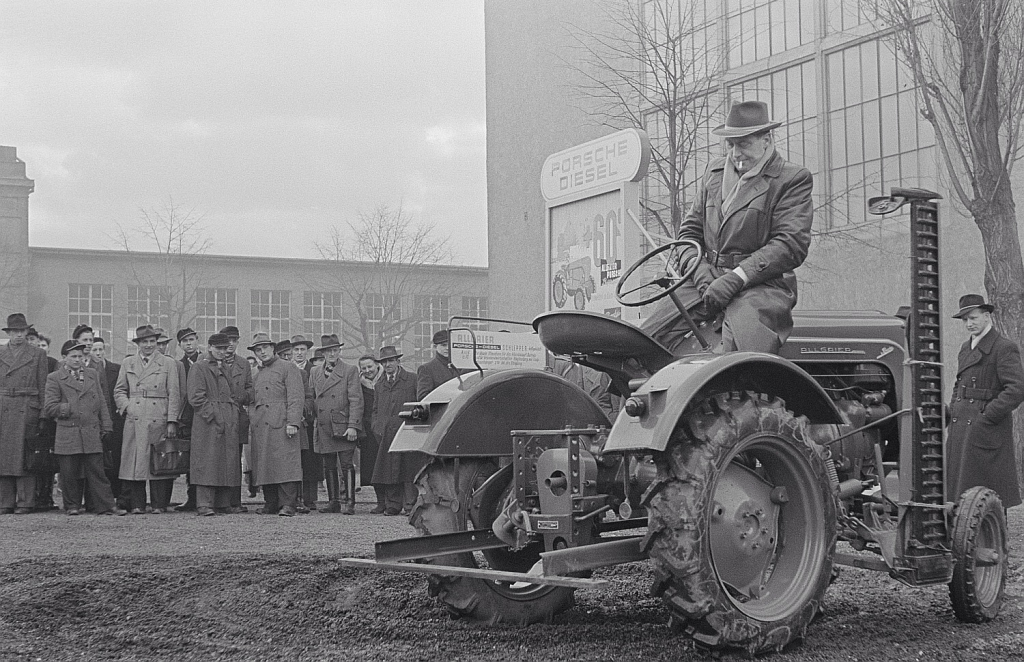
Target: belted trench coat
[22, 393]
[979, 444]
[216, 456]
[766, 232]
[338, 403]
[280, 396]
[80, 410]
[149, 396]
[388, 400]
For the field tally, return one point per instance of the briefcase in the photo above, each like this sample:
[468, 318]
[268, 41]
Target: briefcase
[169, 457]
[39, 457]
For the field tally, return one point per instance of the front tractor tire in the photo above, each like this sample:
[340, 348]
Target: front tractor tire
[443, 506]
[742, 525]
[979, 556]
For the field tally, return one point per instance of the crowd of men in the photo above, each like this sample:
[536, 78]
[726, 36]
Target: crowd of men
[285, 419]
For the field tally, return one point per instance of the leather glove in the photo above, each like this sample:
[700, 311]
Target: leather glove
[106, 437]
[722, 290]
[703, 277]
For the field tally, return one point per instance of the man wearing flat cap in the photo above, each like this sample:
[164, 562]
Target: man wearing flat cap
[22, 395]
[439, 369]
[338, 405]
[989, 386]
[752, 215]
[188, 341]
[240, 374]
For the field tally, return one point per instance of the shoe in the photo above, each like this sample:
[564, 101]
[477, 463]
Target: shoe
[157, 511]
[406, 511]
[302, 510]
[73, 511]
[266, 511]
[312, 507]
[392, 511]
[236, 510]
[349, 508]
[6, 511]
[187, 507]
[333, 507]
[138, 511]
[205, 512]
[114, 511]
[23, 511]
[287, 511]
[378, 509]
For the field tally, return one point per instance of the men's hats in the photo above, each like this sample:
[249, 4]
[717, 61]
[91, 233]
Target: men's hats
[70, 346]
[32, 333]
[282, 346]
[329, 342]
[745, 119]
[318, 354]
[389, 352]
[80, 329]
[969, 302]
[440, 337]
[257, 340]
[216, 340]
[16, 322]
[145, 331]
[231, 332]
[185, 333]
[299, 339]
[163, 337]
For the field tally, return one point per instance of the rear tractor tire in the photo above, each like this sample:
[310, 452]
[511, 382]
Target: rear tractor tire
[979, 556]
[742, 524]
[443, 506]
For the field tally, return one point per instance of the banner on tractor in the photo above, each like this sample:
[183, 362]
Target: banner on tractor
[495, 350]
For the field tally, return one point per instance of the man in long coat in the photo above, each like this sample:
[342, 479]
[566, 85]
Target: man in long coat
[188, 341]
[312, 464]
[76, 402]
[22, 393]
[395, 471]
[370, 373]
[148, 394]
[240, 375]
[752, 215]
[216, 457]
[276, 421]
[338, 403]
[439, 369]
[112, 442]
[989, 386]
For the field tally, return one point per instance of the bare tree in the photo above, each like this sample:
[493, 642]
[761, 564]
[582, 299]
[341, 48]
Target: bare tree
[968, 64]
[164, 264]
[384, 285]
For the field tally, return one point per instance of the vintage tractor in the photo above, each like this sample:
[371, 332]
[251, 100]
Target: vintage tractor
[735, 473]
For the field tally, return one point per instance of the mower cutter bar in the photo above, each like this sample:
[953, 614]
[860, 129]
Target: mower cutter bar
[424, 547]
[479, 573]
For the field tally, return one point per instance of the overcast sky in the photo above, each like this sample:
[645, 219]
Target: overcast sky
[276, 119]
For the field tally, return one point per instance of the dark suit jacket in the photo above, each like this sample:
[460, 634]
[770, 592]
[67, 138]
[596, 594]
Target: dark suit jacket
[432, 374]
[989, 386]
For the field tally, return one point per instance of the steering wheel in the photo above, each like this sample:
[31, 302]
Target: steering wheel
[665, 284]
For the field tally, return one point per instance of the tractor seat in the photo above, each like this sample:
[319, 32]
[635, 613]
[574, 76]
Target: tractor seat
[570, 332]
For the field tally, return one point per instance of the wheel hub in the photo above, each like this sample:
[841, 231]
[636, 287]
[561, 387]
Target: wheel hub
[744, 530]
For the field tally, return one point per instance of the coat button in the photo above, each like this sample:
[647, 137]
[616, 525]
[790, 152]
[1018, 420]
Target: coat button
[954, 420]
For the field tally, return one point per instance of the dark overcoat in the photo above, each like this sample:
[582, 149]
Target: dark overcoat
[433, 373]
[388, 401]
[979, 445]
[368, 445]
[766, 232]
[149, 397]
[80, 411]
[240, 373]
[22, 393]
[280, 396]
[338, 402]
[216, 456]
[187, 413]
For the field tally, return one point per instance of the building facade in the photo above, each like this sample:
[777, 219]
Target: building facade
[116, 291]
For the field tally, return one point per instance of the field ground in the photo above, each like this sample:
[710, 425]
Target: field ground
[250, 587]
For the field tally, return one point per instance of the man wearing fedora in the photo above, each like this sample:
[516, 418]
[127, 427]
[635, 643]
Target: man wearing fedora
[752, 215]
[241, 375]
[338, 406]
[188, 341]
[312, 463]
[148, 394]
[439, 369]
[22, 395]
[394, 471]
[989, 386]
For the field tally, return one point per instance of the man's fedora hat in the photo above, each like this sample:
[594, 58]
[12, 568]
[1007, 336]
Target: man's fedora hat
[70, 346]
[185, 333]
[745, 119]
[440, 337]
[282, 346]
[389, 352]
[330, 341]
[163, 338]
[216, 340]
[16, 322]
[231, 332]
[259, 339]
[299, 339]
[969, 302]
[145, 331]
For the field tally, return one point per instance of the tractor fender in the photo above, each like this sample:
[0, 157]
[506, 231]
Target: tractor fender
[670, 392]
[475, 416]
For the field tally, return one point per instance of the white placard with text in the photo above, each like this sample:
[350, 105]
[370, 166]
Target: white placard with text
[496, 350]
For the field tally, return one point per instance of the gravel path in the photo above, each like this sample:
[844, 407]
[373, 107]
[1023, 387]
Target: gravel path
[250, 587]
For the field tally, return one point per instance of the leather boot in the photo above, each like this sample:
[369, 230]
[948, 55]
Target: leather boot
[333, 490]
[350, 492]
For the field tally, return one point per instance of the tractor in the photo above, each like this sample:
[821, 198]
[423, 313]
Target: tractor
[736, 474]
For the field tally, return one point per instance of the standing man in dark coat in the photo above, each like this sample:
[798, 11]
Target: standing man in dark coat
[240, 374]
[216, 457]
[188, 340]
[438, 370]
[395, 471]
[47, 428]
[989, 386]
[752, 215]
[338, 403]
[370, 373]
[22, 393]
[113, 441]
[312, 464]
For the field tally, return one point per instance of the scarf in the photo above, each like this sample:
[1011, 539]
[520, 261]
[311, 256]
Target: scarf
[733, 183]
[370, 383]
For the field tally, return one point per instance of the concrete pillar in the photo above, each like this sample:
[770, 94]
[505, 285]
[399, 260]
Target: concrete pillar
[14, 257]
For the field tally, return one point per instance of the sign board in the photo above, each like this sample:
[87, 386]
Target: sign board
[496, 350]
[590, 242]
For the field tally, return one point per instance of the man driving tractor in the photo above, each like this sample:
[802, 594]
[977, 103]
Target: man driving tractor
[752, 215]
